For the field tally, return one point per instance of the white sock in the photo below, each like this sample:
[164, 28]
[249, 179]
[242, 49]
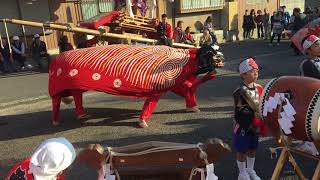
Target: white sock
[250, 163]
[241, 166]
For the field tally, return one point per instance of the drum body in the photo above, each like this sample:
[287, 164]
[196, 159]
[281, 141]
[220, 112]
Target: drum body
[305, 99]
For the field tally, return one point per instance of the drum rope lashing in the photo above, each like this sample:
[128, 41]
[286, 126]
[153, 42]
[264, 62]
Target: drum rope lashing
[109, 159]
[157, 149]
[194, 172]
[203, 155]
[274, 153]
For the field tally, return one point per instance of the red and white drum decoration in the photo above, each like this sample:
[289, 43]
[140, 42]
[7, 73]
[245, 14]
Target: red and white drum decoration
[300, 117]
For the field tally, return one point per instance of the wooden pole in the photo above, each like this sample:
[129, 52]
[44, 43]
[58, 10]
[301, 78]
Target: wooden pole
[285, 154]
[89, 31]
[317, 145]
[281, 161]
[1, 43]
[316, 175]
[295, 166]
[7, 33]
[44, 35]
[25, 37]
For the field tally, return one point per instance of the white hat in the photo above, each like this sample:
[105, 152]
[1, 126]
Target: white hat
[36, 36]
[309, 42]
[15, 38]
[51, 157]
[247, 65]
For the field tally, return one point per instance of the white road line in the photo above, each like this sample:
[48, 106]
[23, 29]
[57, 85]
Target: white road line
[36, 99]
[260, 55]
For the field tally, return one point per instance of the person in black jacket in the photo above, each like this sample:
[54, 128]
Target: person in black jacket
[18, 52]
[39, 50]
[299, 21]
[311, 66]
[252, 22]
[246, 25]
[164, 31]
[6, 57]
[259, 20]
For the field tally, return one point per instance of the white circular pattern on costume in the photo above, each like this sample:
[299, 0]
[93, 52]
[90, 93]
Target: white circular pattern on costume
[73, 72]
[117, 83]
[96, 76]
[51, 73]
[170, 69]
[59, 71]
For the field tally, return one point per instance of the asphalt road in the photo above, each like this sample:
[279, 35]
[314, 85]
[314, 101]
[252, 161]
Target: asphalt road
[24, 124]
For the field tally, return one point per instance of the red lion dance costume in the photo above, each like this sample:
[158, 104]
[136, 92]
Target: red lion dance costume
[123, 70]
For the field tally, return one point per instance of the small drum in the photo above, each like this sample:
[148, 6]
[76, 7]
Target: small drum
[304, 97]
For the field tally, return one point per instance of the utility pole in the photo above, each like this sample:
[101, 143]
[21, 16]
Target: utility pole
[173, 13]
[278, 4]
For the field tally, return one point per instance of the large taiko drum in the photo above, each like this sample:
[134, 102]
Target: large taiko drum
[304, 97]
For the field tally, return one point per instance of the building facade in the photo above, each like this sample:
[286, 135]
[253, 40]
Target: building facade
[312, 3]
[193, 12]
[56, 11]
[243, 5]
[227, 15]
[291, 4]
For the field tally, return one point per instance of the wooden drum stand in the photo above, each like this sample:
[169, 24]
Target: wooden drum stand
[286, 154]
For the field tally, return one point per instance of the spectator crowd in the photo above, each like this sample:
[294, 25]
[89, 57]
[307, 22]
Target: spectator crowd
[271, 27]
[167, 35]
[267, 27]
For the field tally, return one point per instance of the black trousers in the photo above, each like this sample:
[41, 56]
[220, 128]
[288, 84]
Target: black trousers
[274, 35]
[166, 41]
[20, 59]
[246, 32]
[260, 31]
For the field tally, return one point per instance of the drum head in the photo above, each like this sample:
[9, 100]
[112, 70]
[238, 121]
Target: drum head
[305, 100]
[313, 118]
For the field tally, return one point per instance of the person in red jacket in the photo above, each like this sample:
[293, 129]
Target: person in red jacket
[48, 162]
[178, 35]
[164, 31]
[189, 38]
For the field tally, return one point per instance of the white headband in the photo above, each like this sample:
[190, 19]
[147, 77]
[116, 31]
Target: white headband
[309, 42]
[51, 157]
[247, 65]
[15, 38]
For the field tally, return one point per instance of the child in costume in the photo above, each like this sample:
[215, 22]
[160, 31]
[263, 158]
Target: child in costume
[248, 125]
[48, 162]
[311, 66]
